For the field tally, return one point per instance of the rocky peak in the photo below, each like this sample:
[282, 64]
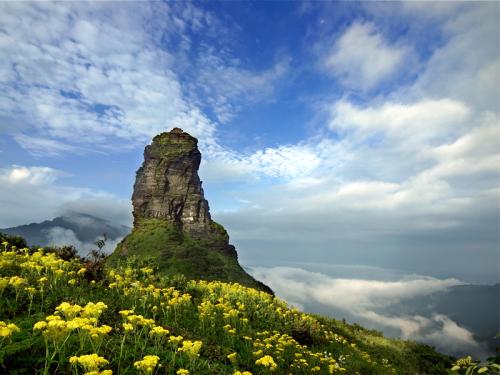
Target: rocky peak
[167, 184]
[172, 223]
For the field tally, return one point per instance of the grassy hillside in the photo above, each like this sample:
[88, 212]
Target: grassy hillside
[66, 317]
[174, 252]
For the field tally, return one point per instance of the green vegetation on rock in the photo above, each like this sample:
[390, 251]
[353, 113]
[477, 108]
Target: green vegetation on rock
[175, 252]
[172, 222]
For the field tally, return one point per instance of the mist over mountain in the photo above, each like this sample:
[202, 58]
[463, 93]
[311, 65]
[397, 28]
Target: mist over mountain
[73, 228]
[439, 312]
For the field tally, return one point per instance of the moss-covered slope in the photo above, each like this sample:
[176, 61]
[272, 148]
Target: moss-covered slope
[175, 252]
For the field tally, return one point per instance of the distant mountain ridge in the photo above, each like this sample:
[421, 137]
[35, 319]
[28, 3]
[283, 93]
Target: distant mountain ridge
[73, 228]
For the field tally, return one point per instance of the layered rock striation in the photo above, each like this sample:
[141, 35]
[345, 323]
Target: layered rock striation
[172, 222]
[167, 185]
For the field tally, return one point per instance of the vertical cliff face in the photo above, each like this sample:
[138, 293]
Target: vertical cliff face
[167, 185]
[172, 223]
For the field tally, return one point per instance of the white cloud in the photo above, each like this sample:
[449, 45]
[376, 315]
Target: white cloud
[31, 175]
[82, 79]
[467, 66]
[361, 58]
[34, 194]
[58, 236]
[349, 294]
[101, 205]
[369, 301]
[44, 147]
[474, 153]
[422, 120]
[286, 161]
[226, 86]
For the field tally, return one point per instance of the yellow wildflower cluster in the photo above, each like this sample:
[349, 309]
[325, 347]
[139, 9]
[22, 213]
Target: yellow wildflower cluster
[282, 346]
[167, 298]
[133, 321]
[91, 364]
[147, 270]
[267, 361]
[139, 320]
[38, 269]
[147, 364]
[17, 282]
[233, 357]
[80, 318]
[175, 340]
[7, 329]
[158, 331]
[463, 363]
[222, 311]
[191, 348]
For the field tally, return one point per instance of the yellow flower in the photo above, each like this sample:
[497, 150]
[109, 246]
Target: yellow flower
[158, 331]
[97, 332]
[140, 320]
[90, 362]
[69, 310]
[6, 330]
[233, 357]
[40, 326]
[4, 281]
[267, 361]
[182, 372]
[191, 348]
[17, 281]
[58, 273]
[81, 271]
[103, 372]
[258, 353]
[242, 373]
[147, 364]
[93, 309]
[175, 339]
[146, 270]
[30, 290]
[128, 327]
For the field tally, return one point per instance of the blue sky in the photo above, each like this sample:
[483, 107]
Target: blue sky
[331, 132]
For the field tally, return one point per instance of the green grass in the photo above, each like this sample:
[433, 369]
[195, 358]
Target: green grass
[196, 310]
[175, 252]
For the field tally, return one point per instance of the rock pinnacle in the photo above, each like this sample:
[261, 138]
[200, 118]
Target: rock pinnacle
[167, 184]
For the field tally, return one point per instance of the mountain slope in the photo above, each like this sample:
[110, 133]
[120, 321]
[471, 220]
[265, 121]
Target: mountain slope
[172, 222]
[141, 321]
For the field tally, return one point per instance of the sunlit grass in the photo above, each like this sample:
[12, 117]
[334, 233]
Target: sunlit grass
[131, 320]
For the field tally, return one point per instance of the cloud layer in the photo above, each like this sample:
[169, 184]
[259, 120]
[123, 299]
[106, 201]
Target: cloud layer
[403, 176]
[34, 194]
[368, 301]
[396, 164]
